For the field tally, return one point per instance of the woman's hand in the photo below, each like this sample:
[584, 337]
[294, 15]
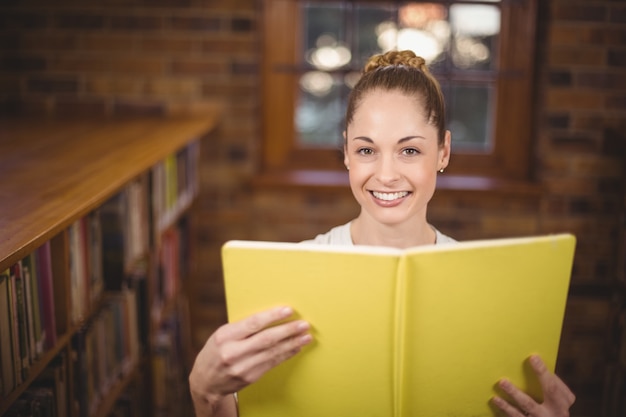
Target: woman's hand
[557, 397]
[239, 353]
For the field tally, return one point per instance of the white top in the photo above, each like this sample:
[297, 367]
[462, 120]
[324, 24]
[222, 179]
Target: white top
[340, 235]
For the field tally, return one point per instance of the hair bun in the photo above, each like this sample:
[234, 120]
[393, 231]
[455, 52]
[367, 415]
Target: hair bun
[405, 58]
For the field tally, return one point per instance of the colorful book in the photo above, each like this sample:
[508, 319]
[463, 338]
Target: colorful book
[422, 332]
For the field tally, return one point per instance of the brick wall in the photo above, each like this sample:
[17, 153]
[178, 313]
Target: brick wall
[581, 159]
[127, 56]
[140, 56]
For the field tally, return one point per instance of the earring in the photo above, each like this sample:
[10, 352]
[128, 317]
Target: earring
[347, 167]
[441, 170]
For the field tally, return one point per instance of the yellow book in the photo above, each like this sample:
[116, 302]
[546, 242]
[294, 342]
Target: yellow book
[422, 332]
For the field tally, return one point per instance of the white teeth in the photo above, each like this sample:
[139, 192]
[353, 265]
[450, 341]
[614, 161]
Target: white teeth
[389, 196]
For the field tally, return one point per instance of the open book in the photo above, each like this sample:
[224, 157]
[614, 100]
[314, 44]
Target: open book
[422, 332]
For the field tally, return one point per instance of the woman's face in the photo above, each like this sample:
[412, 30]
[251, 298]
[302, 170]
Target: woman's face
[393, 157]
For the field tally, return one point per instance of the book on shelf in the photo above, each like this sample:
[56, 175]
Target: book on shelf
[93, 243]
[125, 231]
[27, 321]
[14, 332]
[105, 350]
[46, 294]
[46, 396]
[169, 257]
[168, 368]
[21, 316]
[174, 183]
[54, 377]
[137, 219]
[426, 331]
[6, 334]
[36, 331]
[36, 401]
[78, 271]
[87, 274]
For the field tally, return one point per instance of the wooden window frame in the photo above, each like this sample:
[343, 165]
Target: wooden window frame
[513, 116]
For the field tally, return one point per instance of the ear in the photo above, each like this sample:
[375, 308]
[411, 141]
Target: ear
[444, 151]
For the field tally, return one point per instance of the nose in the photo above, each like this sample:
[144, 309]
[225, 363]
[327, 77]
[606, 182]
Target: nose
[386, 170]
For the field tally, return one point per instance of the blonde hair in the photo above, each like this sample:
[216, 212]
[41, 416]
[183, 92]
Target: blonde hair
[407, 73]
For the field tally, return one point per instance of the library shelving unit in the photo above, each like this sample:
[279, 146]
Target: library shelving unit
[93, 248]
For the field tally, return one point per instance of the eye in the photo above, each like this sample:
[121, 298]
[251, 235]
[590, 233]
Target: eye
[410, 151]
[365, 151]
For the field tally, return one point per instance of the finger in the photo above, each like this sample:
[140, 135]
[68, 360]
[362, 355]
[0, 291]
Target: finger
[255, 323]
[264, 346]
[524, 402]
[554, 389]
[269, 338]
[507, 408]
[252, 366]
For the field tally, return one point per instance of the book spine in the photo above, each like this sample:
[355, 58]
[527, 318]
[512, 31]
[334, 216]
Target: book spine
[22, 324]
[35, 290]
[112, 229]
[6, 343]
[80, 373]
[95, 273]
[29, 310]
[171, 182]
[46, 291]
[105, 350]
[77, 269]
[167, 366]
[14, 322]
[54, 377]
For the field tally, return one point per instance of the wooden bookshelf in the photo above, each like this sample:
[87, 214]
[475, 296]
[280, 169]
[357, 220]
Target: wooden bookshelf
[56, 171]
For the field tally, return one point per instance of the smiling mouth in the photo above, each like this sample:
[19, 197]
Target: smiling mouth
[389, 196]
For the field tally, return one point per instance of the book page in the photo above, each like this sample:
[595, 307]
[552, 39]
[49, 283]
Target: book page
[348, 297]
[474, 314]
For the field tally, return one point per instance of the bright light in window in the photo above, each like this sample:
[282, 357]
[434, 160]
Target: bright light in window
[469, 51]
[330, 57]
[329, 54]
[387, 36]
[317, 83]
[424, 43]
[475, 20]
[421, 42]
[418, 15]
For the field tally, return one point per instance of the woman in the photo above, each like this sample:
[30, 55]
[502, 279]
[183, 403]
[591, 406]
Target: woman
[395, 142]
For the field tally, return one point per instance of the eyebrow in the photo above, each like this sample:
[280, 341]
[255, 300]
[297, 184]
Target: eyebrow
[401, 140]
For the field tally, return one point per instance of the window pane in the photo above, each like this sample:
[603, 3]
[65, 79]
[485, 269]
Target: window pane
[369, 23]
[323, 24]
[475, 29]
[457, 39]
[320, 110]
[470, 117]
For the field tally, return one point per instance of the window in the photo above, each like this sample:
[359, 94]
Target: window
[481, 52]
